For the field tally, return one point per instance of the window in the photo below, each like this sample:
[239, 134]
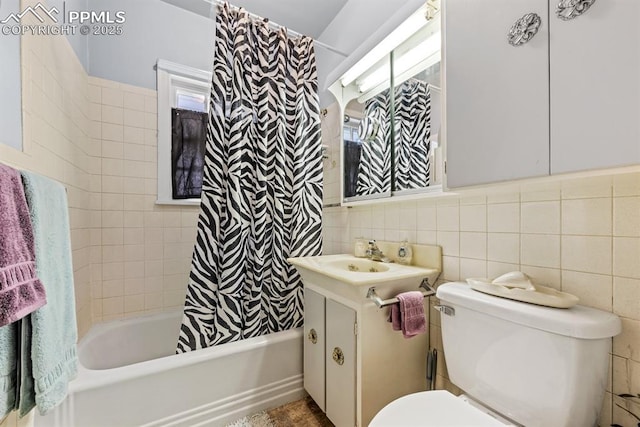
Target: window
[183, 105]
[351, 128]
[352, 153]
[191, 101]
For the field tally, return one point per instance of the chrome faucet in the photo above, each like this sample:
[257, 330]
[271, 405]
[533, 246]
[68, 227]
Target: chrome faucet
[374, 253]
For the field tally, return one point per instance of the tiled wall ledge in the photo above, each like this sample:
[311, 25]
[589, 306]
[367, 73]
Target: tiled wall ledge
[519, 186]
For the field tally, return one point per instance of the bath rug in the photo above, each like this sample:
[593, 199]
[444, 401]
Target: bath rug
[300, 413]
[261, 419]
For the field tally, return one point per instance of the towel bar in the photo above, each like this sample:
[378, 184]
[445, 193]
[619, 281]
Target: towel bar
[426, 290]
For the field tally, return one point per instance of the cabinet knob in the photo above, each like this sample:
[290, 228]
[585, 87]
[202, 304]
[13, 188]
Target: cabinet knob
[524, 29]
[313, 336]
[570, 9]
[338, 356]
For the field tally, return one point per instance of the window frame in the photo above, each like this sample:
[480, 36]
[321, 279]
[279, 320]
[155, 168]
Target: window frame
[172, 78]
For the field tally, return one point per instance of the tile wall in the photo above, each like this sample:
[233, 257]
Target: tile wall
[140, 251]
[56, 144]
[56, 126]
[577, 235]
[99, 138]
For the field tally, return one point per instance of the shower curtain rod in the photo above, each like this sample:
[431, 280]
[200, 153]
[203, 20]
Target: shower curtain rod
[289, 31]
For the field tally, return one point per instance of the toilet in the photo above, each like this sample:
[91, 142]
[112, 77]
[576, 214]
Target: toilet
[519, 365]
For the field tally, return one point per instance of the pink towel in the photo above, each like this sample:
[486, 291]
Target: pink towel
[408, 314]
[21, 292]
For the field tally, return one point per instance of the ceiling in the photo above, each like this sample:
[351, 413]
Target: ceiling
[309, 17]
[349, 26]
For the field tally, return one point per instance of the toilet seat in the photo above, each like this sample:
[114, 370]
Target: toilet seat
[437, 408]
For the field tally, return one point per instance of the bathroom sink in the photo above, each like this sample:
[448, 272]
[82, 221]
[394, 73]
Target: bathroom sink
[358, 271]
[358, 265]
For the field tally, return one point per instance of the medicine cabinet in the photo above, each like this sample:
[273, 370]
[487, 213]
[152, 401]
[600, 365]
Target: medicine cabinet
[391, 104]
[540, 87]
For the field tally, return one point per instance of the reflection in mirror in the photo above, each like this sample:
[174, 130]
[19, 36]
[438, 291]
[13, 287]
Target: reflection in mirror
[416, 75]
[367, 142]
[416, 128]
[391, 98]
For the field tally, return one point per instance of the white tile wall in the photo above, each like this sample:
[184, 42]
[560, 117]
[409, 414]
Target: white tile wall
[540, 217]
[142, 251]
[56, 143]
[99, 138]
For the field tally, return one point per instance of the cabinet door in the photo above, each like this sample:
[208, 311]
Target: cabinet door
[341, 364]
[497, 95]
[314, 346]
[595, 87]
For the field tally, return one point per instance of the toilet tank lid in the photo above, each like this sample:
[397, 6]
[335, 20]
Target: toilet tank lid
[578, 321]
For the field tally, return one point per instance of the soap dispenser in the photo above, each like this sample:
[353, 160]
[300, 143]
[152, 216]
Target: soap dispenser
[360, 249]
[405, 254]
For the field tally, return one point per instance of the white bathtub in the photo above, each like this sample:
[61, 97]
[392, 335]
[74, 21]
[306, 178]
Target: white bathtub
[131, 376]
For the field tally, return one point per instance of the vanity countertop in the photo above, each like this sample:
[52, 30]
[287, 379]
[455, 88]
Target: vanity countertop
[361, 271]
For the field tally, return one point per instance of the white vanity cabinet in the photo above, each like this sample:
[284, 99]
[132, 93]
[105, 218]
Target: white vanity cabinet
[359, 364]
[330, 357]
[354, 363]
[314, 346]
[341, 364]
[565, 99]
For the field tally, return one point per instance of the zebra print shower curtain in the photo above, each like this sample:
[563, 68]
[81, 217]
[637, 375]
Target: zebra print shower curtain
[412, 121]
[374, 175]
[412, 132]
[262, 189]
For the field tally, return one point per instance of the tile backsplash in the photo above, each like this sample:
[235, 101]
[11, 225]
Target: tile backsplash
[552, 233]
[578, 235]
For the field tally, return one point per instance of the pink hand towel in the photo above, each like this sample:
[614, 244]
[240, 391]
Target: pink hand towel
[408, 314]
[394, 317]
[21, 292]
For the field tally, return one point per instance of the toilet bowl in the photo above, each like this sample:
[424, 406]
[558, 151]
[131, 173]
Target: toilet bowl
[519, 364]
[437, 408]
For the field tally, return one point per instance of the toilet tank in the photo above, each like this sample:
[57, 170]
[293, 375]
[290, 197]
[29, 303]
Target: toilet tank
[536, 365]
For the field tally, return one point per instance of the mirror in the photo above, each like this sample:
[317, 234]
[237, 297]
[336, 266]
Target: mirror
[416, 121]
[367, 137]
[390, 136]
[10, 82]
[367, 148]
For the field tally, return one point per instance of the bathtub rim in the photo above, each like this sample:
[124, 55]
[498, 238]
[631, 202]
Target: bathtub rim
[88, 379]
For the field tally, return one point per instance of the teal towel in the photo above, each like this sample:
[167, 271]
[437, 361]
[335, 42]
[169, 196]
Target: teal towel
[49, 335]
[8, 368]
